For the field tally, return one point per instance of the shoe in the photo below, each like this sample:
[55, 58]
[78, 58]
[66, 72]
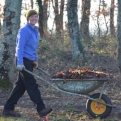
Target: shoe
[45, 111]
[12, 113]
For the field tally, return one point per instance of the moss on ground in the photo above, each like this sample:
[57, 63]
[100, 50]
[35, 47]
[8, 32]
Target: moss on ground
[5, 84]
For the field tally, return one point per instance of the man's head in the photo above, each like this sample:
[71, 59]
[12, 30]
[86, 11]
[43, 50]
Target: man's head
[30, 13]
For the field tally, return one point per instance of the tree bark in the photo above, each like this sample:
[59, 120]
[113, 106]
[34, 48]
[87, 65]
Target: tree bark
[112, 28]
[119, 33]
[59, 18]
[85, 20]
[0, 26]
[73, 26]
[56, 19]
[32, 4]
[45, 17]
[12, 12]
[41, 31]
[61, 14]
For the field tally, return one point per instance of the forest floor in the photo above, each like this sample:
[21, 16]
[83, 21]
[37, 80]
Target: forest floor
[65, 107]
[68, 107]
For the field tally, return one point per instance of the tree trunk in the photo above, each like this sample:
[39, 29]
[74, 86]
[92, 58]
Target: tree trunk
[98, 24]
[119, 33]
[59, 18]
[32, 4]
[12, 12]
[41, 31]
[112, 28]
[73, 26]
[45, 17]
[85, 20]
[56, 11]
[0, 26]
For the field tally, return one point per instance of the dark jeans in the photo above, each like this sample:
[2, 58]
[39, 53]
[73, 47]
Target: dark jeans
[25, 82]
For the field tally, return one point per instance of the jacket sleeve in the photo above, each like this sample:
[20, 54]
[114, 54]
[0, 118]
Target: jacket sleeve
[20, 41]
[37, 43]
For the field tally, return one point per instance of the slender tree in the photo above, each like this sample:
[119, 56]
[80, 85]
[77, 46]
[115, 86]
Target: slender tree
[58, 11]
[32, 3]
[1, 16]
[104, 12]
[40, 17]
[85, 20]
[112, 28]
[73, 26]
[61, 15]
[0, 26]
[12, 12]
[98, 21]
[45, 17]
[119, 33]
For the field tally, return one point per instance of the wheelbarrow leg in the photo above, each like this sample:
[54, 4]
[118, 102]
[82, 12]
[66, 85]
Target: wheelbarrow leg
[102, 90]
[103, 86]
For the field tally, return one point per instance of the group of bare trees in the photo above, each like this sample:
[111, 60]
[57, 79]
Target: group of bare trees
[77, 32]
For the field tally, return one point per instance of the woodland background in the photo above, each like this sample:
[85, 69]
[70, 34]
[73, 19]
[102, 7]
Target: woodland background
[67, 44]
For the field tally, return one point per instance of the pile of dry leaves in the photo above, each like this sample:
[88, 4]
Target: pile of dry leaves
[81, 74]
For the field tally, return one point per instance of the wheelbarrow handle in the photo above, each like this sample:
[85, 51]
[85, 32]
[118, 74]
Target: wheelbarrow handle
[39, 77]
[45, 72]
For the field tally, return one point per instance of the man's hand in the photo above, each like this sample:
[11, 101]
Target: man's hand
[20, 67]
[35, 64]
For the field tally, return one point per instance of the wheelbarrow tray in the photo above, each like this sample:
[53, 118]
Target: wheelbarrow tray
[80, 86]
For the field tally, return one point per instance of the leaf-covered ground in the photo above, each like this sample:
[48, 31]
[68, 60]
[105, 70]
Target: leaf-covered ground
[65, 107]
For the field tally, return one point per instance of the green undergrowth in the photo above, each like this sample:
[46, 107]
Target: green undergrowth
[15, 119]
[6, 85]
[55, 55]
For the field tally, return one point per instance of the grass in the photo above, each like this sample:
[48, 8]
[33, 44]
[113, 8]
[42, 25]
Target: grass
[63, 116]
[15, 119]
[60, 118]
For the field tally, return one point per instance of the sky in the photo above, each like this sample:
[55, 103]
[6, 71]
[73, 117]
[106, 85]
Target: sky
[93, 24]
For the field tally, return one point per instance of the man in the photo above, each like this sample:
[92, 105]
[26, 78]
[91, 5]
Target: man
[26, 57]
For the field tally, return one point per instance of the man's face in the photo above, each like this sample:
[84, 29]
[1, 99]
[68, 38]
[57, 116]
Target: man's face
[33, 19]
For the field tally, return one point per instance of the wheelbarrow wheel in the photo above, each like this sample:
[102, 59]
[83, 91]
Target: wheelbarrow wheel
[97, 110]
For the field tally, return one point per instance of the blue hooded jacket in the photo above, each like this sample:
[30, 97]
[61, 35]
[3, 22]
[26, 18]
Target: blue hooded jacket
[27, 43]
